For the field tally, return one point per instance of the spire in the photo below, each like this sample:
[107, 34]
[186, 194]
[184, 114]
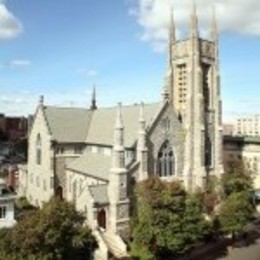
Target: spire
[141, 131]
[194, 22]
[142, 146]
[169, 70]
[41, 100]
[172, 28]
[171, 36]
[119, 120]
[165, 93]
[118, 148]
[214, 26]
[93, 99]
[141, 118]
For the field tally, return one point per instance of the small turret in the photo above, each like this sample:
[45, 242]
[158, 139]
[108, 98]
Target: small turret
[117, 187]
[142, 151]
[41, 100]
[118, 149]
[93, 99]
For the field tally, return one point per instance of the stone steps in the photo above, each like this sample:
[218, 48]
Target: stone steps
[114, 244]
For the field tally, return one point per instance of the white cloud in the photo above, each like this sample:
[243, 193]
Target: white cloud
[239, 16]
[88, 72]
[10, 27]
[19, 64]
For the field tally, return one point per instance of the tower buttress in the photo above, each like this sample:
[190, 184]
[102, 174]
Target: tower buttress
[142, 151]
[117, 187]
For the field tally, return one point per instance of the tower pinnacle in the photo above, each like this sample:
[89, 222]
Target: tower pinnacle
[214, 27]
[93, 99]
[41, 100]
[194, 32]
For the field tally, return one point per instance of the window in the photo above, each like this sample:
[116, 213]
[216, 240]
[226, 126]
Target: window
[37, 181]
[52, 183]
[69, 183]
[78, 150]
[38, 149]
[166, 160]
[44, 185]
[2, 212]
[74, 191]
[60, 150]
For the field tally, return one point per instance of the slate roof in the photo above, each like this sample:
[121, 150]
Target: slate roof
[91, 164]
[99, 194]
[68, 125]
[78, 125]
[101, 130]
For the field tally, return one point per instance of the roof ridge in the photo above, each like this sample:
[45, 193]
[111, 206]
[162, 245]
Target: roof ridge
[128, 105]
[82, 108]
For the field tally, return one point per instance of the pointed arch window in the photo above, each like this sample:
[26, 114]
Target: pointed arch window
[39, 150]
[166, 162]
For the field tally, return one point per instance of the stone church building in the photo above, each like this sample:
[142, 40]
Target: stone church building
[91, 156]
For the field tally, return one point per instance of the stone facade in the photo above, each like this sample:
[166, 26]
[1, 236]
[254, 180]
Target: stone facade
[166, 127]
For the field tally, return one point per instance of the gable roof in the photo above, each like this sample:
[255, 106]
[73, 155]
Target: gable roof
[95, 165]
[68, 125]
[101, 130]
[79, 125]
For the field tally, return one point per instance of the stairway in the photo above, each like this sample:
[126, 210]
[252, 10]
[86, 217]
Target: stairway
[115, 245]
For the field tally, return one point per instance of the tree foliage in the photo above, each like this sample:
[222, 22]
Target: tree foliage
[235, 213]
[55, 232]
[236, 208]
[168, 220]
[236, 179]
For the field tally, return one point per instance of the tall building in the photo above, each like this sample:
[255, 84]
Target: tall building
[93, 156]
[248, 125]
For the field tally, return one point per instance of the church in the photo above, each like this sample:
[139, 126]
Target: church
[92, 156]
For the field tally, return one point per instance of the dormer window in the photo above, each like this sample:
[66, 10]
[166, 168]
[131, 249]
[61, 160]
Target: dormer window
[38, 150]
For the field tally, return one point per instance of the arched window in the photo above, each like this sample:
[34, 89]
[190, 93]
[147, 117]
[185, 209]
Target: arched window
[165, 160]
[38, 149]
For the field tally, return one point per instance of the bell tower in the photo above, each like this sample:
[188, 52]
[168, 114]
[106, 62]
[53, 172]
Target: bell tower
[192, 85]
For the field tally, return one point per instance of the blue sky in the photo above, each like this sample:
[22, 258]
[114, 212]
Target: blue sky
[60, 48]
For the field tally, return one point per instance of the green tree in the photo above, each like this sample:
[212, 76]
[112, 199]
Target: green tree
[236, 208]
[54, 232]
[235, 213]
[168, 221]
[236, 179]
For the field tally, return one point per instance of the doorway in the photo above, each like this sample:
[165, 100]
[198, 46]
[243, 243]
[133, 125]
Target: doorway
[101, 218]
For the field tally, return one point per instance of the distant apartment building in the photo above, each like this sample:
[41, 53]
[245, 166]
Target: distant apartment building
[228, 129]
[248, 126]
[13, 128]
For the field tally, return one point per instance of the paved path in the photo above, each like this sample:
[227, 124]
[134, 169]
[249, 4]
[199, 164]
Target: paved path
[251, 252]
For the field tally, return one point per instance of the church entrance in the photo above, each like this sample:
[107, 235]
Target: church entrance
[59, 192]
[101, 218]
